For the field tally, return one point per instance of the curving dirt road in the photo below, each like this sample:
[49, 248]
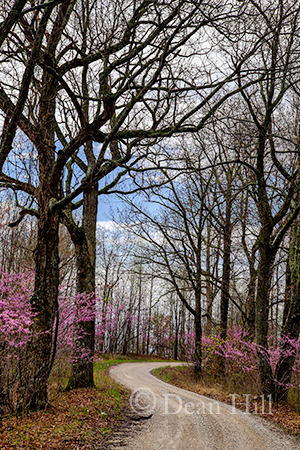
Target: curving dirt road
[181, 420]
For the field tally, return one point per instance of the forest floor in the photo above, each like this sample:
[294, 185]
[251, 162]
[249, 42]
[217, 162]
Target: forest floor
[86, 419]
[281, 414]
[79, 419]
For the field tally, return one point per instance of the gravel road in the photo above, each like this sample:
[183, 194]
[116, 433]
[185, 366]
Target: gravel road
[174, 418]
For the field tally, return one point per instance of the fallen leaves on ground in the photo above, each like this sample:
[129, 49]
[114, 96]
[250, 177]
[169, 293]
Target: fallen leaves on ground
[78, 419]
[281, 414]
[74, 420]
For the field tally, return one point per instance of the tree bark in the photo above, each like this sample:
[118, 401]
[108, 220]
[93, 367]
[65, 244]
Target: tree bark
[225, 295]
[84, 239]
[261, 315]
[44, 302]
[250, 308]
[198, 335]
[291, 326]
[39, 357]
[287, 293]
[209, 296]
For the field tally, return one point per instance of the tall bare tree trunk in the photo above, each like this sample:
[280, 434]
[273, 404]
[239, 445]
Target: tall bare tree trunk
[33, 383]
[291, 326]
[84, 239]
[198, 334]
[288, 292]
[209, 296]
[250, 307]
[149, 314]
[225, 295]
[44, 302]
[262, 314]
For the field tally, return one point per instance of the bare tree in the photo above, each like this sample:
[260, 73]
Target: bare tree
[278, 54]
[174, 234]
[141, 83]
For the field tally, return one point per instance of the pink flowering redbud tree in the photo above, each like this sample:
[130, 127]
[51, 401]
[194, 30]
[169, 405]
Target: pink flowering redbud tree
[16, 319]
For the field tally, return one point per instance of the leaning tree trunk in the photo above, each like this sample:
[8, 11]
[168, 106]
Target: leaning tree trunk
[84, 239]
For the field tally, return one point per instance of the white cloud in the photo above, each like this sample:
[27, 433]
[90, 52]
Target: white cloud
[109, 225]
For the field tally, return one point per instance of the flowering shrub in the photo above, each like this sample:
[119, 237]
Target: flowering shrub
[238, 350]
[118, 325]
[16, 318]
[73, 310]
[240, 353]
[16, 315]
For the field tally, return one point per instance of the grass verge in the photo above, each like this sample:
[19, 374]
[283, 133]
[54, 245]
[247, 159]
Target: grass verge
[78, 419]
[282, 414]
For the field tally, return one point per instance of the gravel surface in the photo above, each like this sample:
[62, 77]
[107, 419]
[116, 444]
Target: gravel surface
[173, 418]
